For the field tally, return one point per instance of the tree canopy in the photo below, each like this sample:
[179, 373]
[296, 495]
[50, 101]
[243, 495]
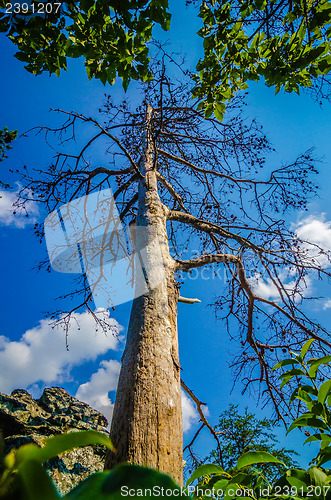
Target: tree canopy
[111, 36]
[286, 42]
[6, 137]
[241, 433]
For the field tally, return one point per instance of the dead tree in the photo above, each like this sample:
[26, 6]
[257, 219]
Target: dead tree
[193, 184]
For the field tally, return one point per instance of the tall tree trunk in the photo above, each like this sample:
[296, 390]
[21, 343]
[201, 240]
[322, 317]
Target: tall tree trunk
[146, 427]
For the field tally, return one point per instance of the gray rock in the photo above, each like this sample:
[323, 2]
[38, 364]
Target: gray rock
[26, 420]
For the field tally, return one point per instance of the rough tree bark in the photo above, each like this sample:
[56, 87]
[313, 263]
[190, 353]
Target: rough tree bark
[146, 427]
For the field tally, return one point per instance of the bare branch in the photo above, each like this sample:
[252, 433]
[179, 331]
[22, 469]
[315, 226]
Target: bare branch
[186, 300]
[203, 419]
[178, 159]
[171, 190]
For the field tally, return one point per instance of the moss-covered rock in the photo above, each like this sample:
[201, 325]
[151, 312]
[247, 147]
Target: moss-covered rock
[26, 420]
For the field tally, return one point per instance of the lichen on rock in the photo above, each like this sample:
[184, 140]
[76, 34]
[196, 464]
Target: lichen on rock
[26, 420]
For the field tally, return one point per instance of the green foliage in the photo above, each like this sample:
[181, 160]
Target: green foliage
[249, 476]
[243, 481]
[24, 478]
[285, 42]
[252, 483]
[108, 485]
[112, 36]
[313, 395]
[248, 479]
[243, 434]
[6, 137]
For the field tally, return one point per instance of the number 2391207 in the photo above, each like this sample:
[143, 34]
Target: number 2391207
[33, 8]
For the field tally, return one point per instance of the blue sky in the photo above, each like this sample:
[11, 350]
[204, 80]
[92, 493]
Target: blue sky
[33, 355]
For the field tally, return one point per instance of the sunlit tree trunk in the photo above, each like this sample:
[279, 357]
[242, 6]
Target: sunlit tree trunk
[146, 427]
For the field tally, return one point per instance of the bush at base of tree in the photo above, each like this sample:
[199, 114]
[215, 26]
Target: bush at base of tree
[240, 434]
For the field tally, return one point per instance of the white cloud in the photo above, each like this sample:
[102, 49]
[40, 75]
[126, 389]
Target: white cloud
[40, 355]
[316, 235]
[264, 289]
[315, 230]
[95, 392]
[11, 215]
[190, 414]
[268, 290]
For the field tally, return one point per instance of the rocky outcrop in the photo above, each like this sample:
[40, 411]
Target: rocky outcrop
[26, 420]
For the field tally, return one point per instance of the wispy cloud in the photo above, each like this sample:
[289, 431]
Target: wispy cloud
[315, 235]
[190, 414]
[327, 304]
[267, 289]
[12, 215]
[315, 232]
[95, 392]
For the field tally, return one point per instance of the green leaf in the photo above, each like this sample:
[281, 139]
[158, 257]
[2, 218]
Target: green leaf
[116, 484]
[324, 391]
[316, 363]
[318, 437]
[75, 50]
[309, 389]
[294, 371]
[36, 482]
[255, 41]
[21, 56]
[221, 484]
[204, 470]
[287, 376]
[317, 475]
[256, 457]
[219, 110]
[208, 110]
[303, 395]
[215, 478]
[298, 478]
[59, 444]
[307, 420]
[286, 380]
[306, 347]
[286, 362]
[324, 456]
